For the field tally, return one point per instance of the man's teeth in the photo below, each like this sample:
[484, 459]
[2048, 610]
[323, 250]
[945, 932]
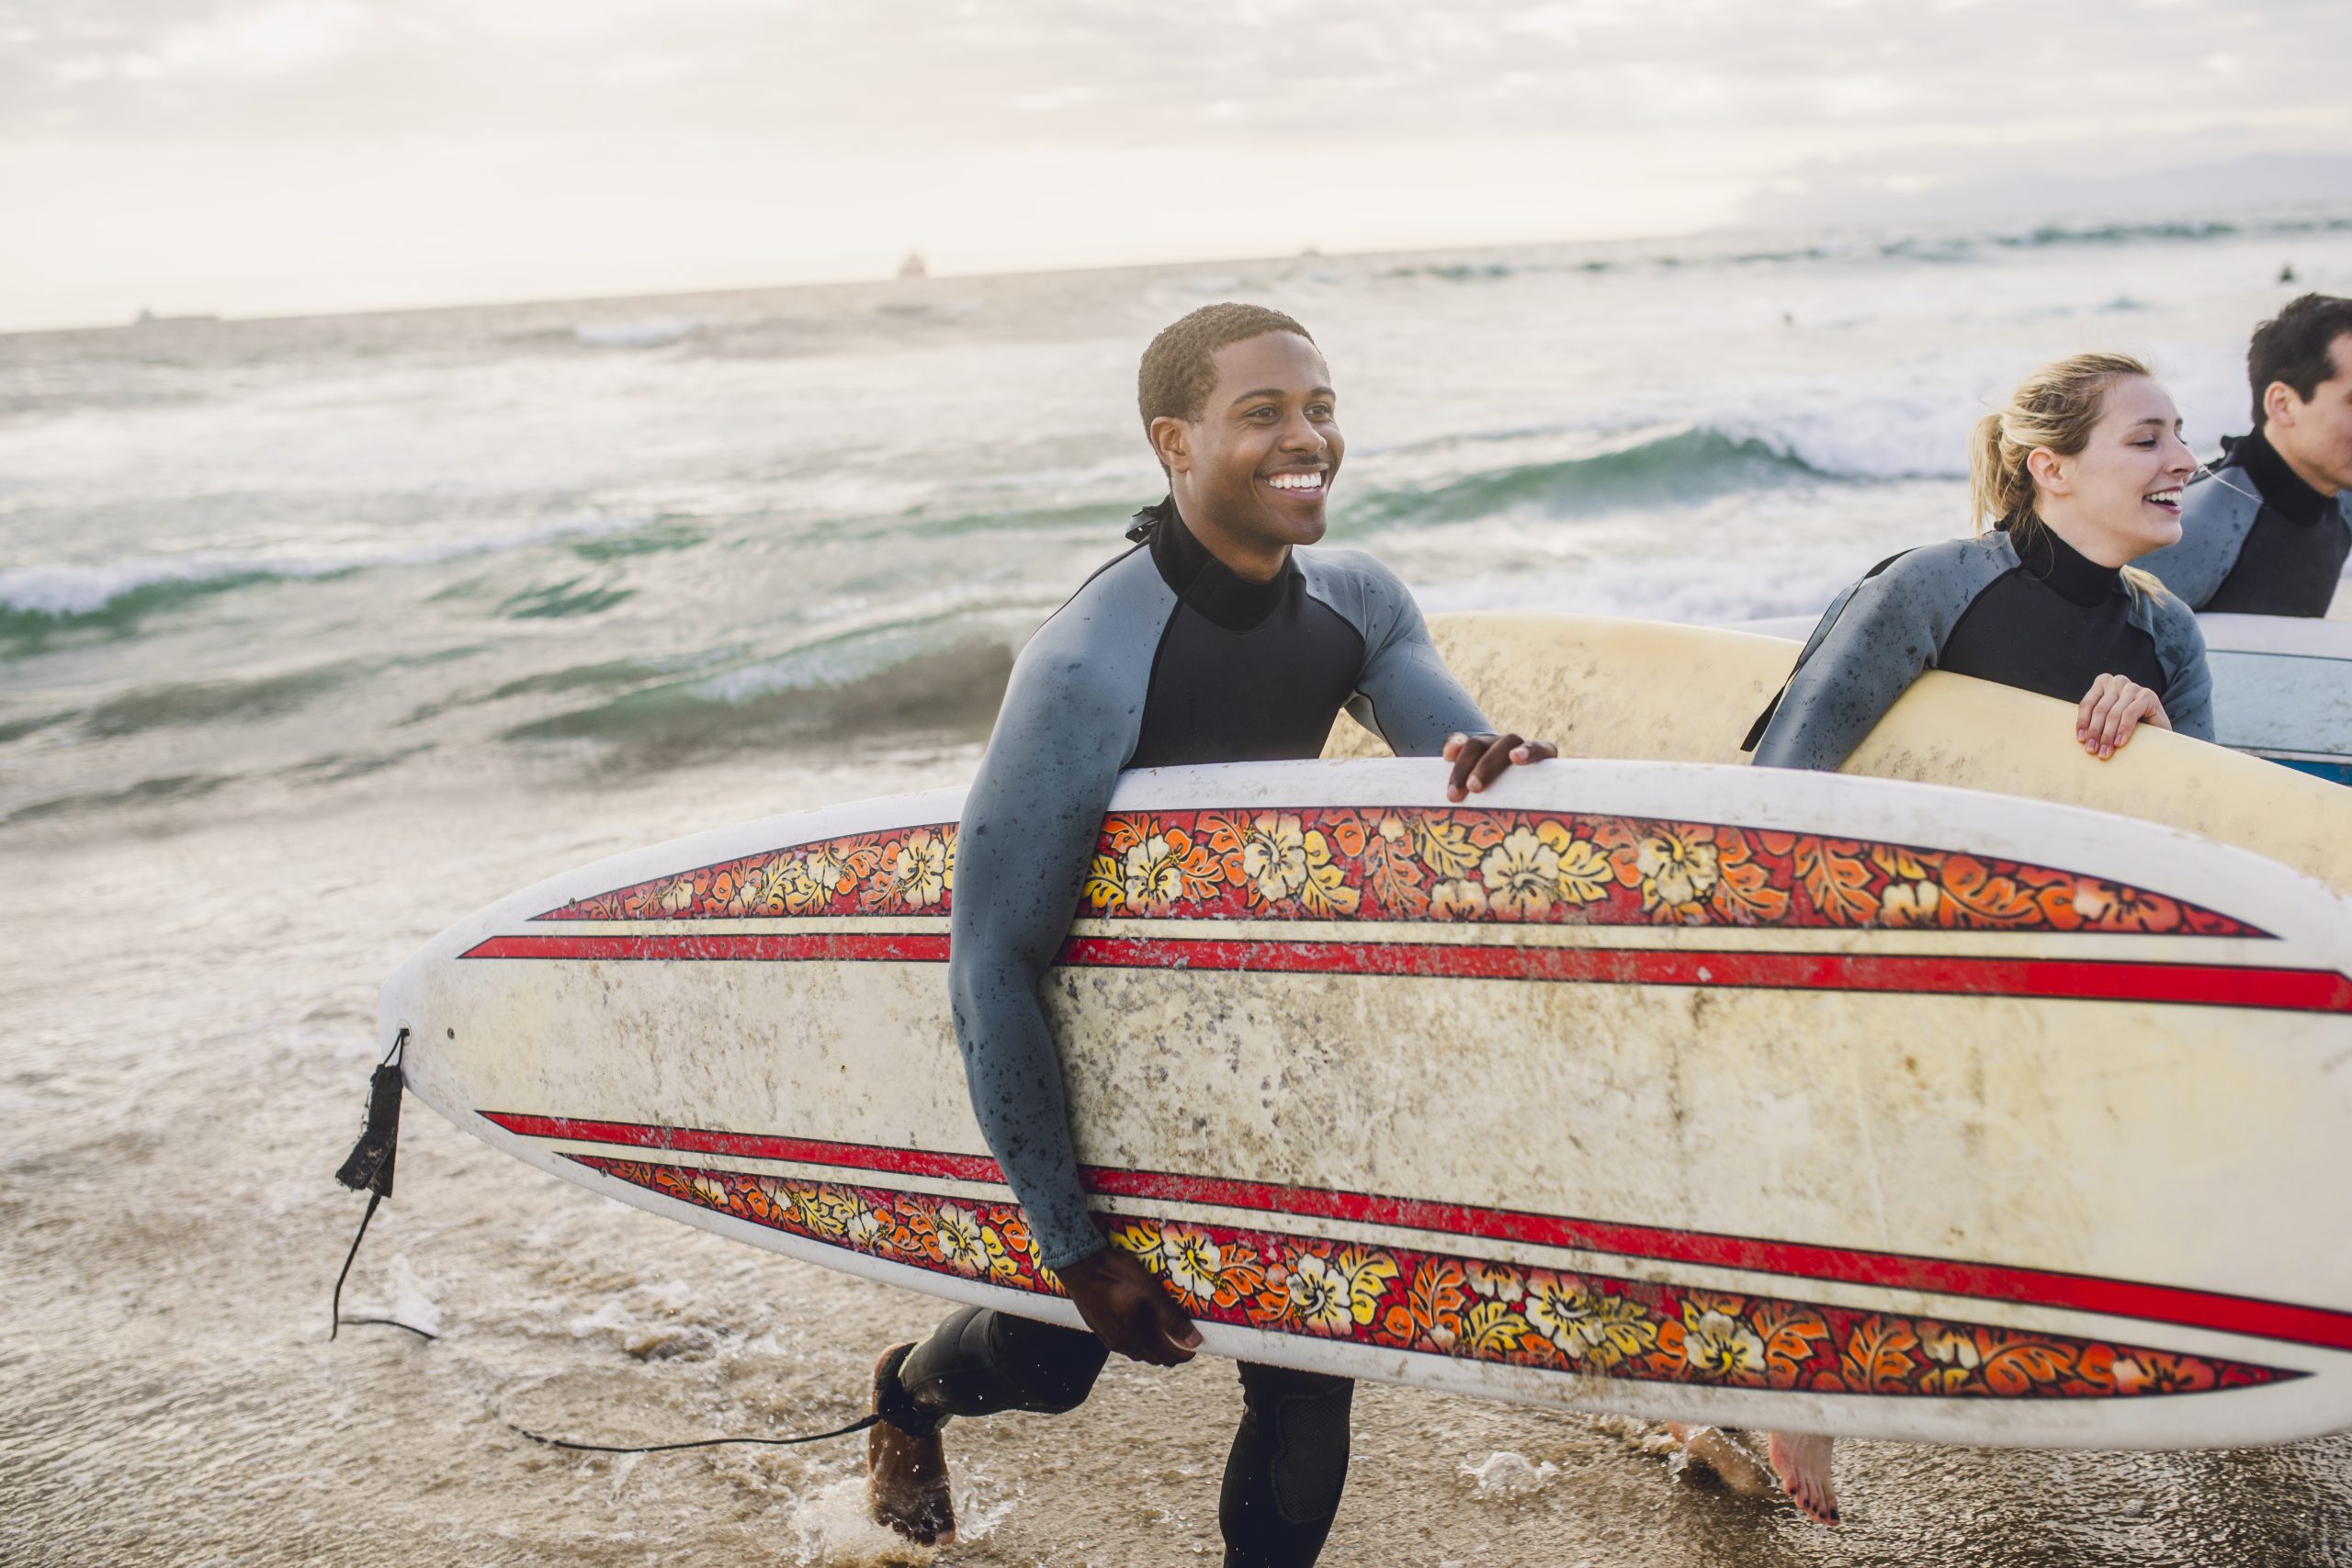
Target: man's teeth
[1297, 481]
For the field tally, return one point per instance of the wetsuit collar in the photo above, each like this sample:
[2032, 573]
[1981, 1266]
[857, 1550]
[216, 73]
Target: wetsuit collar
[2282, 489]
[2064, 569]
[1202, 580]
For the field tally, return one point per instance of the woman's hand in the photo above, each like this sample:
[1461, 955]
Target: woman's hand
[2111, 710]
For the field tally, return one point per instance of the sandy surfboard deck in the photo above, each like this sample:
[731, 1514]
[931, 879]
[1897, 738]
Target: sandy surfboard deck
[2282, 686]
[1819, 1104]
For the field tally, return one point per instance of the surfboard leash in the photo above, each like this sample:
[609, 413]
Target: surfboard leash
[854, 1426]
[369, 1169]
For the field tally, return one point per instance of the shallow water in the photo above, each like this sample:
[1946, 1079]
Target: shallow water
[190, 1035]
[241, 556]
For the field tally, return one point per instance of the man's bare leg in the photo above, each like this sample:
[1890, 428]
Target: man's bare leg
[974, 1363]
[1801, 1461]
[906, 1475]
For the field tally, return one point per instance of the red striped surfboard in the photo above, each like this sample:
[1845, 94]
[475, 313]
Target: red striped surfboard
[1688, 1091]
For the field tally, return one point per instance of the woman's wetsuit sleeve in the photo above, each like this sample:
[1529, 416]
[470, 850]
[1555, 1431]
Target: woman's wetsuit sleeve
[1405, 694]
[1875, 641]
[1030, 825]
[2188, 696]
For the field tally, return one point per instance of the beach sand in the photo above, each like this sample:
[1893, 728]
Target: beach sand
[189, 1006]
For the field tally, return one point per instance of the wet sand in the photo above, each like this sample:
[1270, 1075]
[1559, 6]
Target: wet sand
[188, 1026]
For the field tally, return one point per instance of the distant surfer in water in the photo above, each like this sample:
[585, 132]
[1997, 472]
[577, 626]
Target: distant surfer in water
[2080, 474]
[2268, 531]
[1220, 638]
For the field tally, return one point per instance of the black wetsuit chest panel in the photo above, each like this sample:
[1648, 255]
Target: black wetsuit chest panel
[2296, 549]
[2285, 568]
[1263, 694]
[2024, 633]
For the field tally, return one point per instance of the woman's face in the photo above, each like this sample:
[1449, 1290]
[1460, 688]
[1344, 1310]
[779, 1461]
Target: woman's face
[2121, 491]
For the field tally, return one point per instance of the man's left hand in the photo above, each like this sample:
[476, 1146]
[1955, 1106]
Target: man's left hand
[1479, 759]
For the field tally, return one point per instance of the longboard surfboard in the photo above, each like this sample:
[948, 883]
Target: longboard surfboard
[2282, 686]
[1655, 691]
[1684, 1091]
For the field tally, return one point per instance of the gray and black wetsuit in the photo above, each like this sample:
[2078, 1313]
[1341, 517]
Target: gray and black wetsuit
[2256, 540]
[1164, 656]
[2052, 622]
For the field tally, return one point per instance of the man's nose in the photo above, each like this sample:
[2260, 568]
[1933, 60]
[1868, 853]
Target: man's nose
[1299, 434]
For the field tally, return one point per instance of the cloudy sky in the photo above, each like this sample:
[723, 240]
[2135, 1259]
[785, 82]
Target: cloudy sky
[266, 156]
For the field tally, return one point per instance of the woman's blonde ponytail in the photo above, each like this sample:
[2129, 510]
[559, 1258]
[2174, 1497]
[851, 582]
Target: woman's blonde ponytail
[1992, 489]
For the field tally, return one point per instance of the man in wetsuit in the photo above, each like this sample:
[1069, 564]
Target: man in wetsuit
[1218, 639]
[2267, 532]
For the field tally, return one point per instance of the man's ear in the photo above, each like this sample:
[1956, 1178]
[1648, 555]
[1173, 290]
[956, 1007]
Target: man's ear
[2049, 472]
[1173, 439]
[2281, 404]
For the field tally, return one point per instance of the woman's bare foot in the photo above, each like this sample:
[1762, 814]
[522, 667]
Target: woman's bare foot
[1801, 1461]
[906, 1476]
[1733, 1462]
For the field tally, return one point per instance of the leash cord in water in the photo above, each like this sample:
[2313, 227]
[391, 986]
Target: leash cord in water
[383, 1323]
[858, 1425]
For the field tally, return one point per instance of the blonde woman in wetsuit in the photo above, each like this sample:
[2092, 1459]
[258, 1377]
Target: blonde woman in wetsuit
[2081, 473]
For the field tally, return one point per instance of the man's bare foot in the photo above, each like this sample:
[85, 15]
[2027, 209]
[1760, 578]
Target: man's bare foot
[1801, 1461]
[906, 1476]
[1734, 1462]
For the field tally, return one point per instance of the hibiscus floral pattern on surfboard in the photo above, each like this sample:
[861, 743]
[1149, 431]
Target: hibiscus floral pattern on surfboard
[1394, 1298]
[1438, 863]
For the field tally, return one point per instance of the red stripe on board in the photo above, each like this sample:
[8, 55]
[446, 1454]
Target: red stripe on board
[904, 947]
[752, 1146]
[1891, 1271]
[2307, 990]
[2204, 984]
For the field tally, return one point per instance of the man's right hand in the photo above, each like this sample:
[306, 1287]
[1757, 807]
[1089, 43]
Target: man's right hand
[1128, 1310]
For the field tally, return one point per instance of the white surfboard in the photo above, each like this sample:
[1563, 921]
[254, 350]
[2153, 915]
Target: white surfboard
[2282, 686]
[1688, 1091]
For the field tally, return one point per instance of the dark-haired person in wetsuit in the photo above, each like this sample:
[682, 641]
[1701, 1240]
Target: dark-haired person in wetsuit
[2081, 473]
[2268, 531]
[1220, 638]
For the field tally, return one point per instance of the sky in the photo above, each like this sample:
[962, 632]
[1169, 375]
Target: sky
[258, 157]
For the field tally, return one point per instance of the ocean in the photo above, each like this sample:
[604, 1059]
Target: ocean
[317, 634]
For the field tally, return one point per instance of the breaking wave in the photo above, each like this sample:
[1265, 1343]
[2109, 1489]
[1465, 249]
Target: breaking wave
[1686, 466]
[858, 690]
[117, 594]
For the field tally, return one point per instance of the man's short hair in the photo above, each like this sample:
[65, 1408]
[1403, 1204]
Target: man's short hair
[1177, 373]
[2292, 347]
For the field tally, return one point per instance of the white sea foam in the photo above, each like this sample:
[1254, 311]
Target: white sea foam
[651, 332]
[66, 588]
[1507, 1475]
[412, 1301]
